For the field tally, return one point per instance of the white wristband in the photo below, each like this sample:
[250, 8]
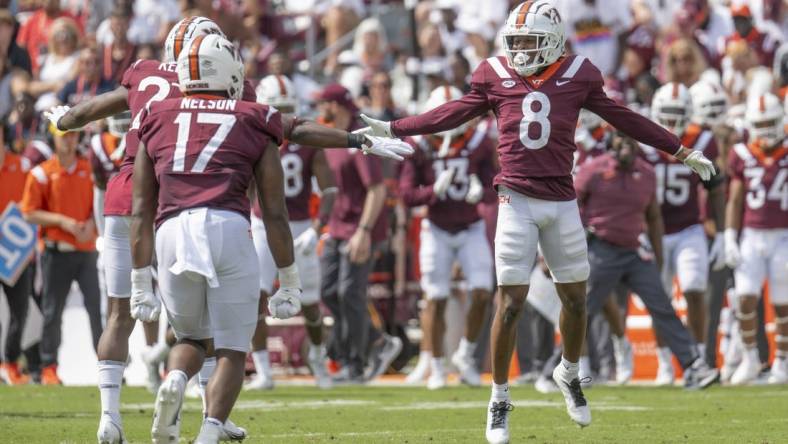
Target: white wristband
[730, 236]
[142, 277]
[288, 276]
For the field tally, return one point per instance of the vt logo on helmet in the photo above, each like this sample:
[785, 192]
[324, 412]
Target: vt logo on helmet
[533, 36]
[211, 63]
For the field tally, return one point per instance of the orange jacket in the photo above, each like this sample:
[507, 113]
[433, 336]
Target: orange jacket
[12, 175]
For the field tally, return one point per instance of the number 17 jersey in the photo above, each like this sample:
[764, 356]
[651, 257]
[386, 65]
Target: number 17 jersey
[537, 116]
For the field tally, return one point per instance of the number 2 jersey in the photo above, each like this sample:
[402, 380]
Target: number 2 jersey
[536, 118]
[765, 179]
[204, 150]
[147, 81]
[677, 185]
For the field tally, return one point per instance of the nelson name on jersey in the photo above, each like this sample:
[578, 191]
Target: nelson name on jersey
[212, 104]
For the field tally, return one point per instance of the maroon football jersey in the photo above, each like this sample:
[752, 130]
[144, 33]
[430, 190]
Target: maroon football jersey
[470, 156]
[148, 81]
[613, 202]
[765, 179]
[297, 167]
[536, 121]
[102, 146]
[204, 151]
[677, 185]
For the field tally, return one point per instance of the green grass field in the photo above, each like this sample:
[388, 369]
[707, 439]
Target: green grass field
[414, 415]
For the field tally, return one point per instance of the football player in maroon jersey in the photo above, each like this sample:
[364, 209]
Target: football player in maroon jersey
[146, 82]
[536, 93]
[444, 174]
[758, 206]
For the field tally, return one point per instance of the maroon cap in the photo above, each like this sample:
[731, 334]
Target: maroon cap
[335, 92]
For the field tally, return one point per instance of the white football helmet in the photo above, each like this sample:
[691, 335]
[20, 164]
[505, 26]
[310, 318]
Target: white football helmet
[671, 107]
[438, 97]
[211, 63]
[184, 31]
[118, 124]
[540, 20]
[709, 103]
[764, 118]
[277, 91]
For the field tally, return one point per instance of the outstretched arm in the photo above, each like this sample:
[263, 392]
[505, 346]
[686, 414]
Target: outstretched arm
[95, 108]
[448, 116]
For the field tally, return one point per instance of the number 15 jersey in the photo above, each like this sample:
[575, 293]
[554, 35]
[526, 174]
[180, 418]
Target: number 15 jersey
[537, 116]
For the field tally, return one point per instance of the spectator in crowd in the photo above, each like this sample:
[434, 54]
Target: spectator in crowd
[10, 51]
[117, 56]
[13, 171]
[763, 42]
[370, 45]
[58, 197]
[58, 66]
[13, 82]
[89, 81]
[705, 24]
[684, 62]
[339, 19]
[379, 103]
[35, 34]
[355, 227]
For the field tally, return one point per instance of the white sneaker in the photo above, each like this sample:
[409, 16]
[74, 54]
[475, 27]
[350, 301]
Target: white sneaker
[624, 357]
[749, 368]
[497, 431]
[420, 372]
[167, 414]
[469, 374]
[260, 382]
[545, 385]
[109, 431]
[231, 432]
[576, 404]
[779, 372]
[437, 380]
[210, 433]
[317, 362]
[665, 374]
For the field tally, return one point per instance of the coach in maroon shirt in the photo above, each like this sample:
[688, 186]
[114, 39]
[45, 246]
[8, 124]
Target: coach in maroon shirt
[355, 226]
[616, 193]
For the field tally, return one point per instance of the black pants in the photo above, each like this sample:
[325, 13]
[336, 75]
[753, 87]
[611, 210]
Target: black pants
[344, 292]
[59, 270]
[18, 298]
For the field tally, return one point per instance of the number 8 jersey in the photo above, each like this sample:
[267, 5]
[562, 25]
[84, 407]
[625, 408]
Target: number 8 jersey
[537, 116]
[765, 178]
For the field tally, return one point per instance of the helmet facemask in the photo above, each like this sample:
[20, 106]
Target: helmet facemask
[768, 131]
[673, 118]
[541, 45]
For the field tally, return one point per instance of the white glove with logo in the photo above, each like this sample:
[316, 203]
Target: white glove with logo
[700, 164]
[56, 113]
[475, 190]
[145, 306]
[306, 243]
[732, 253]
[379, 128]
[385, 147]
[442, 183]
[285, 303]
[717, 252]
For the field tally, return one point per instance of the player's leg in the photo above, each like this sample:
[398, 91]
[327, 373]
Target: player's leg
[692, 269]
[778, 293]
[267, 272]
[476, 259]
[749, 277]
[516, 238]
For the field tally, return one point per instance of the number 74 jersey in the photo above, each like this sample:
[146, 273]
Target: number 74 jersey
[537, 116]
[765, 178]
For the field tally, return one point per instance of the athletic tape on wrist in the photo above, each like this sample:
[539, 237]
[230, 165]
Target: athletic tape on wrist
[288, 276]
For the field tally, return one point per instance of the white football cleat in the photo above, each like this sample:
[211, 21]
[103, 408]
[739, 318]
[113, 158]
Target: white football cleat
[545, 385]
[109, 431]
[469, 374]
[622, 351]
[576, 404]
[497, 431]
[436, 381]
[231, 432]
[749, 368]
[419, 373]
[260, 382]
[779, 372]
[317, 362]
[210, 433]
[167, 414]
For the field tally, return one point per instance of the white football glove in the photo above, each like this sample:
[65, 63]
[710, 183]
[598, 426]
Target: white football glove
[717, 252]
[700, 164]
[475, 190]
[379, 128]
[306, 243]
[385, 147]
[145, 306]
[285, 304]
[442, 183]
[732, 253]
[56, 113]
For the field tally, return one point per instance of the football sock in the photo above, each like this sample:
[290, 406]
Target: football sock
[436, 366]
[664, 355]
[466, 347]
[584, 366]
[110, 378]
[203, 376]
[702, 350]
[262, 363]
[500, 392]
[571, 369]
